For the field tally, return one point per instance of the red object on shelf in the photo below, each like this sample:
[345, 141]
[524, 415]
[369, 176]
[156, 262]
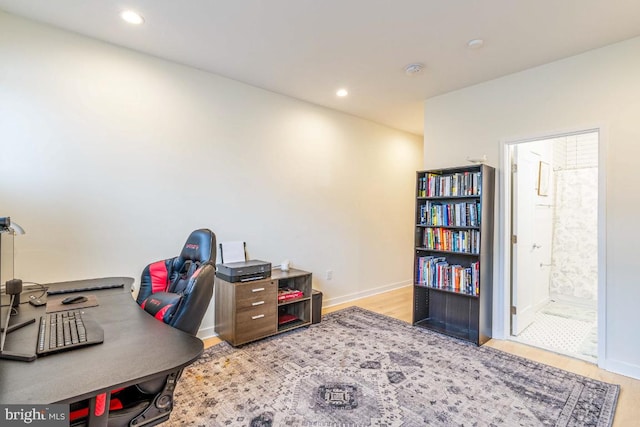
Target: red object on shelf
[286, 318]
[287, 294]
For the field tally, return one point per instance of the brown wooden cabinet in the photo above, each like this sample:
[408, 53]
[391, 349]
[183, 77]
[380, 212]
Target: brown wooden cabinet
[249, 311]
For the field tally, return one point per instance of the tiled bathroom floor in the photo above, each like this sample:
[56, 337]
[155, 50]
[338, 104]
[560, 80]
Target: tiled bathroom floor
[564, 328]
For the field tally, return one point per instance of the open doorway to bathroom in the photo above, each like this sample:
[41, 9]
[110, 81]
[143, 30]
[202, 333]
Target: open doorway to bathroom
[554, 244]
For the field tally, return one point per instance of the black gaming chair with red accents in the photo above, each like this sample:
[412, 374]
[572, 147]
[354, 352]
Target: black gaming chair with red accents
[176, 291]
[170, 289]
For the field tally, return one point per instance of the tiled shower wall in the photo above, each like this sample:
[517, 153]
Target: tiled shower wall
[574, 257]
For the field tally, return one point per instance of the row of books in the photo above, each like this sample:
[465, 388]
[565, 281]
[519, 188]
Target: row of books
[456, 184]
[435, 272]
[450, 214]
[442, 239]
[286, 294]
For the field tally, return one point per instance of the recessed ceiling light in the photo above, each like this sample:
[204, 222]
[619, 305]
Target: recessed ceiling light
[475, 44]
[132, 17]
[342, 93]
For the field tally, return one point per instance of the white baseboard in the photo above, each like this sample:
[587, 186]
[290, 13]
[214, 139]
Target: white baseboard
[208, 332]
[540, 305]
[582, 302]
[369, 292]
[622, 368]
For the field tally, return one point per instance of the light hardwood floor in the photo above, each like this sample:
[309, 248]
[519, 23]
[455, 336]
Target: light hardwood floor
[398, 304]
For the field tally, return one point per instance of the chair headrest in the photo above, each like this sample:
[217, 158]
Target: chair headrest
[200, 246]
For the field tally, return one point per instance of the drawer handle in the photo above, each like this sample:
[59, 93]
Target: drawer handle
[259, 316]
[257, 290]
[257, 303]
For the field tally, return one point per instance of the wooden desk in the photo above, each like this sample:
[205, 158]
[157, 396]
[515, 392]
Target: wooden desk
[136, 348]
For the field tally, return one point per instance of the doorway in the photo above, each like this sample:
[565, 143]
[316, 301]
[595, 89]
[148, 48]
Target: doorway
[554, 243]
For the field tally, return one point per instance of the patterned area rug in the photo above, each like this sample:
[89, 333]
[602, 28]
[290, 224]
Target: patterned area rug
[359, 368]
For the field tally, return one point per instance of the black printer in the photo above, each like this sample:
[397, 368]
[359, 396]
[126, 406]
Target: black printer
[244, 271]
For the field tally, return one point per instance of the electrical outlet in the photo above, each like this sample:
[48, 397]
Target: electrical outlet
[329, 274]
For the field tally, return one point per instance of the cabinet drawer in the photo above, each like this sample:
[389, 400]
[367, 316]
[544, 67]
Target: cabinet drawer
[252, 324]
[256, 294]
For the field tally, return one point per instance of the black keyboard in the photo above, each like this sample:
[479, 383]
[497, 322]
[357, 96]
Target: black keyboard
[67, 330]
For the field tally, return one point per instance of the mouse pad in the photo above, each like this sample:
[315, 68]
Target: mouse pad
[55, 304]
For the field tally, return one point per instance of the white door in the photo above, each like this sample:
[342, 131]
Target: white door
[526, 253]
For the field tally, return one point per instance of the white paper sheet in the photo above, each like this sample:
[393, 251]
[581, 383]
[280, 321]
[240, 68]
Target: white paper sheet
[232, 252]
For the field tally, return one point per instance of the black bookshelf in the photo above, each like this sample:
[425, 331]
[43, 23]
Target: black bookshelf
[453, 261]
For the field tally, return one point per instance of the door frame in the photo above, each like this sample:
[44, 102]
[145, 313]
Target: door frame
[502, 296]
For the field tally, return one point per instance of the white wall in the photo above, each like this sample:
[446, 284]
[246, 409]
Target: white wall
[109, 158]
[597, 88]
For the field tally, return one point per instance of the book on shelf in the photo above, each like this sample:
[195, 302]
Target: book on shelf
[442, 239]
[435, 272]
[286, 294]
[450, 185]
[464, 214]
[422, 187]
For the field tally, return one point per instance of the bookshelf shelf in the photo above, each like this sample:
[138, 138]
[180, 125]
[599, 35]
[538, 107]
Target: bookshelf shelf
[452, 292]
[447, 329]
[448, 291]
[423, 249]
[292, 301]
[447, 197]
[291, 325]
[452, 227]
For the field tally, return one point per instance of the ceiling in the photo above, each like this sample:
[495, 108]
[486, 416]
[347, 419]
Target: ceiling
[308, 49]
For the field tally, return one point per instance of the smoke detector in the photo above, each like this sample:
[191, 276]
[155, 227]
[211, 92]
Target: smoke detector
[475, 44]
[413, 69]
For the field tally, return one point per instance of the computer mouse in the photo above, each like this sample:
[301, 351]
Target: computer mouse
[75, 299]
